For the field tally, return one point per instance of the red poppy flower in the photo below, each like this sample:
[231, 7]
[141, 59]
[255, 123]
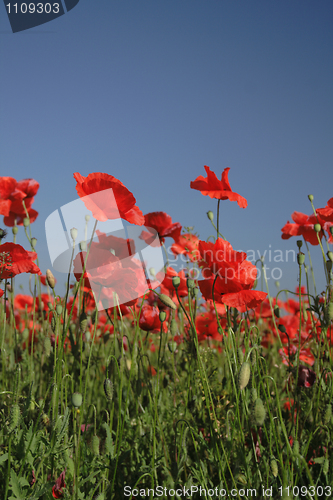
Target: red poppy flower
[186, 244]
[207, 326]
[12, 193]
[149, 319]
[105, 206]
[304, 226]
[15, 260]
[167, 285]
[220, 190]
[235, 276]
[162, 223]
[326, 213]
[59, 485]
[122, 247]
[105, 274]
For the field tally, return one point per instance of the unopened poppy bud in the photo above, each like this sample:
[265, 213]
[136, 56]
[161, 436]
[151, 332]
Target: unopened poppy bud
[326, 466]
[167, 301]
[330, 310]
[83, 246]
[176, 281]
[15, 230]
[331, 230]
[310, 196]
[77, 399]
[210, 215]
[282, 328]
[299, 243]
[277, 284]
[274, 467]
[173, 327]
[87, 218]
[95, 445]
[330, 255]
[317, 227]
[33, 242]
[162, 316]
[59, 309]
[300, 258]
[108, 389]
[26, 222]
[83, 322]
[73, 232]
[329, 266]
[190, 283]
[277, 311]
[244, 375]
[50, 279]
[152, 272]
[14, 417]
[258, 412]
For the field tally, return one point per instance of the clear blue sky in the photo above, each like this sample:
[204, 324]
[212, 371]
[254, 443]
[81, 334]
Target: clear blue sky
[150, 91]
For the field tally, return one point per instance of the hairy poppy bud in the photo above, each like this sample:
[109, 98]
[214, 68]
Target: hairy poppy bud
[244, 375]
[95, 445]
[108, 389]
[14, 417]
[50, 279]
[274, 467]
[59, 309]
[258, 412]
[77, 399]
[162, 316]
[300, 258]
[173, 327]
[167, 301]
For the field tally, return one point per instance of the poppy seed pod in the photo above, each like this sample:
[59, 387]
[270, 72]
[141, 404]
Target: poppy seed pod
[330, 255]
[87, 218]
[210, 215]
[26, 222]
[176, 281]
[15, 230]
[77, 399]
[33, 242]
[317, 227]
[59, 309]
[299, 243]
[310, 196]
[190, 283]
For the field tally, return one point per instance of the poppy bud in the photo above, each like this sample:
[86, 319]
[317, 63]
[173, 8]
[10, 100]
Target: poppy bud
[331, 230]
[329, 266]
[296, 448]
[26, 222]
[299, 243]
[108, 389]
[253, 395]
[77, 399]
[95, 445]
[277, 311]
[330, 310]
[47, 346]
[53, 324]
[83, 246]
[15, 230]
[300, 258]
[162, 316]
[14, 417]
[167, 301]
[274, 467]
[50, 279]
[258, 412]
[190, 283]
[326, 466]
[240, 355]
[317, 227]
[244, 375]
[33, 242]
[173, 327]
[87, 218]
[310, 196]
[282, 328]
[73, 232]
[330, 255]
[327, 414]
[152, 272]
[210, 215]
[59, 309]
[176, 281]
[83, 322]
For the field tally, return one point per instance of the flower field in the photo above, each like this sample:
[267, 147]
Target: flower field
[172, 383]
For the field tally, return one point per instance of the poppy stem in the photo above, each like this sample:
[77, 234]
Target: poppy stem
[218, 218]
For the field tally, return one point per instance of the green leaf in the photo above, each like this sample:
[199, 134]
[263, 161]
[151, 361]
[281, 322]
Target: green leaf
[15, 485]
[3, 458]
[108, 441]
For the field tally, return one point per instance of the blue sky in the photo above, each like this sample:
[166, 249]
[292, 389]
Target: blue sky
[151, 91]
